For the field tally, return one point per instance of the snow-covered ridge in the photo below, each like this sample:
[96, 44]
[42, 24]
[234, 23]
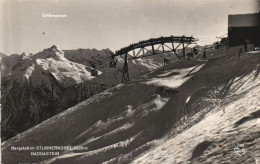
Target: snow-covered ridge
[53, 51]
[52, 59]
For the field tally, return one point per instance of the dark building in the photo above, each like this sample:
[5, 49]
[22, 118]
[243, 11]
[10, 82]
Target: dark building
[244, 28]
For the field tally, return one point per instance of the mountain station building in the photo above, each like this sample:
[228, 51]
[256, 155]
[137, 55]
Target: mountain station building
[244, 28]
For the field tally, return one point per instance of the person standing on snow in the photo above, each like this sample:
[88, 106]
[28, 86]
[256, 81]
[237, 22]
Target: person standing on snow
[217, 45]
[240, 51]
[204, 55]
[245, 46]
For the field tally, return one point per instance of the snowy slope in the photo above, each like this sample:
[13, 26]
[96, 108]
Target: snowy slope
[202, 119]
[215, 139]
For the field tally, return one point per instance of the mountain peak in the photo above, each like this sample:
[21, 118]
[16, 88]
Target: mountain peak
[54, 47]
[53, 51]
[25, 54]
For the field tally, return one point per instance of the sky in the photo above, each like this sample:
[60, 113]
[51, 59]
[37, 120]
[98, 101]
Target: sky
[111, 24]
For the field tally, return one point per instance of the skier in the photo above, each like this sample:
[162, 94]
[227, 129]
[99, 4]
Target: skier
[217, 45]
[240, 51]
[166, 61]
[195, 51]
[204, 55]
[245, 45]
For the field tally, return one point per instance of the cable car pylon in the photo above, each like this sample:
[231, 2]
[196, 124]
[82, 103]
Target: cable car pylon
[147, 48]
